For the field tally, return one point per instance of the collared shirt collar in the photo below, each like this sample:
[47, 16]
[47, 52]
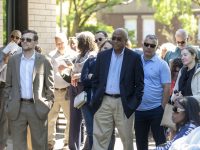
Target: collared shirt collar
[31, 58]
[152, 59]
[122, 53]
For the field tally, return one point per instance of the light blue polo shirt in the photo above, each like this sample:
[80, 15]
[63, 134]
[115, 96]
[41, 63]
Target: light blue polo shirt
[156, 73]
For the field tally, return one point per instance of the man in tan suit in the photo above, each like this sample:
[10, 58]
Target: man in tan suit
[29, 94]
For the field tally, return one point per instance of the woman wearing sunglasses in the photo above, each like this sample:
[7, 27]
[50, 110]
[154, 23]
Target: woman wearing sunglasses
[188, 83]
[186, 117]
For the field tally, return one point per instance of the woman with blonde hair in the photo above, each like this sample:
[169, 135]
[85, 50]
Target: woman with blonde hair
[188, 83]
[87, 49]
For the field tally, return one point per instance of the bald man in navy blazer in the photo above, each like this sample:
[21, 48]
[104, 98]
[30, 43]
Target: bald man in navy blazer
[118, 88]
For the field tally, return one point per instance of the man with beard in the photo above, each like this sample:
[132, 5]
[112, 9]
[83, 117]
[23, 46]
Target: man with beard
[29, 94]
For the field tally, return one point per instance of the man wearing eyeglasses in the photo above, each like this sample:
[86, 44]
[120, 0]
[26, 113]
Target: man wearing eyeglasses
[181, 37]
[157, 79]
[118, 89]
[60, 57]
[4, 56]
[100, 38]
[29, 94]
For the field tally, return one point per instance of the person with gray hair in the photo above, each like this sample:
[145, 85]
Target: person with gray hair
[118, 83]
[157, 81]
[62, 56]
[181, 37]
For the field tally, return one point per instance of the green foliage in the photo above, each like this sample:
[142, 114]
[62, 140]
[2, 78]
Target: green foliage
[168, 10]
[4, 23]
[131, 34]
[98, 27]
[80, 11]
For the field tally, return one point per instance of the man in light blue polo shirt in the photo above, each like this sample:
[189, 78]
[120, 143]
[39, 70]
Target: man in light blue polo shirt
[157, 81]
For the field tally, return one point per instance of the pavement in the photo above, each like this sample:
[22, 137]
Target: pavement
[59, 143]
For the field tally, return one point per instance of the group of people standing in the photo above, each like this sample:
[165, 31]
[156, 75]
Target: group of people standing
[125, 90]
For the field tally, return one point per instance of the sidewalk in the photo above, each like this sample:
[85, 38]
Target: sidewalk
[59, 144]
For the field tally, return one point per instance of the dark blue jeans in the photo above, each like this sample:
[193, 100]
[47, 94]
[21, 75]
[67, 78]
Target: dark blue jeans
[75, 119]
[88, 115]
[146, 120]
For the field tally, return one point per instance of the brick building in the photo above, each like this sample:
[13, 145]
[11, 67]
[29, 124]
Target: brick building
[39, 15]
[139, 17]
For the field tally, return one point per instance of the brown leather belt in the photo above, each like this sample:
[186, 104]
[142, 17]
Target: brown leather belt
[27, 100]
[113, 95]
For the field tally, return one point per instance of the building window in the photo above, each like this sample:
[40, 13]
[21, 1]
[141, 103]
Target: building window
[130, 23]
[148, 25]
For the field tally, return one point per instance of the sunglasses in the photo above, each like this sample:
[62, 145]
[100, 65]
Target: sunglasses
[180, 42]
[98, 40]
[151, 45]
[26, 39]
[177, 110]
[114, 38]
[16, 37]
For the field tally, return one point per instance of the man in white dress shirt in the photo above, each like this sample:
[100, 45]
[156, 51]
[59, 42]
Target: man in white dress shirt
[61, 56]
[29, 94]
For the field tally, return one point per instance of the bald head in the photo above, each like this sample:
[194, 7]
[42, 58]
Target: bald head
[119, 39]
[122, 32]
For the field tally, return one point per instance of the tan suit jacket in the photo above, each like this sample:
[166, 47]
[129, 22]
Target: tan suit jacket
[43, 86]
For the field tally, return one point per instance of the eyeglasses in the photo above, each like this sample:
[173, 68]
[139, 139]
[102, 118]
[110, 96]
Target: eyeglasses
[98, 40]
[114, 38]
[177, 110]
[180, 42]
[16, 37]
[151, 45]
[26, 39]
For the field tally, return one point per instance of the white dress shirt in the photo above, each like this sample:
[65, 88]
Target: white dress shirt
[26, 76]
[57, 60]
[113, 80]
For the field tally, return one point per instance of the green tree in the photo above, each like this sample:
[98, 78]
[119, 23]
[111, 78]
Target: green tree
[80, 11]
[167, 11]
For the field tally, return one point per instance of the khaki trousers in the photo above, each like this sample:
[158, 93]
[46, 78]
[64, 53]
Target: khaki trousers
[38, 128]
[59, 102]
[108, 116]
[29, 139]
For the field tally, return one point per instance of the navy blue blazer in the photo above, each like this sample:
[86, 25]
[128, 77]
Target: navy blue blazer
[88, 68]
[131, 80]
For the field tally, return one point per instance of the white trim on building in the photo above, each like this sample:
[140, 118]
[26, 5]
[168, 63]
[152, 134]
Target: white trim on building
[148, 25]
[130, 23]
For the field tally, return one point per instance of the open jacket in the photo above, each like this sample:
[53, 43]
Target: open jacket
[43, 86]
[131, 80]
[195, 83]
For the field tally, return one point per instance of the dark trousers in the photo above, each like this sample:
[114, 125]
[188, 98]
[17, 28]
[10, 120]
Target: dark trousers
[146, 120]
[75, 119]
